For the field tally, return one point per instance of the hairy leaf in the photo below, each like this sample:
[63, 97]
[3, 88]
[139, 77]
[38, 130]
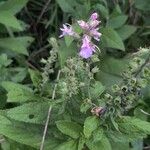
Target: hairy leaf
[18, 45]
[91, 123]
[103, 144]
[126, 31]
[13, 6]
[69, 128]
[118, 21]
[110, 38]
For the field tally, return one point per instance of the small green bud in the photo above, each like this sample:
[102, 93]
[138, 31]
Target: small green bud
[138, 60]
[95, 58]
[43, 61]
[115, 88]
[117, 100]
[132, 81]
[124, 89]
[108, 96]
[95, 70]
[130, 97]
[146, 72]
[142, 83]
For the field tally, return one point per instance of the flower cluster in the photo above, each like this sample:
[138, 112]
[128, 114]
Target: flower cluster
[90, 30]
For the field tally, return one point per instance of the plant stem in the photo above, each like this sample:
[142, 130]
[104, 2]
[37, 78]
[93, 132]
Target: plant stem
[49, 113]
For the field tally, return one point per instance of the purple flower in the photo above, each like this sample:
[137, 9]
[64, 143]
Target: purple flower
[84, 25]
[93, 23]
[87, 47]
[66, 30]
[94, 16]
[90, 27]
[96, 35]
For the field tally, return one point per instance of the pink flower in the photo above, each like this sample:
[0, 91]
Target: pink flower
[66, 30]
[87, 47]
[90, 27]
[94, 16]
[93, 23]
[95, 34]
[84, 25]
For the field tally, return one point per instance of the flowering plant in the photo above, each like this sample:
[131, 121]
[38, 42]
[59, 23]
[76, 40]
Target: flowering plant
[83, 108]
[90, 30]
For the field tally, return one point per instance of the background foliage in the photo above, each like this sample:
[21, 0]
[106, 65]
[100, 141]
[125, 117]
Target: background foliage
[29, 67]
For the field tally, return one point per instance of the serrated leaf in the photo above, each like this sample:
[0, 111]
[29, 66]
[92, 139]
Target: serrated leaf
[135, 126]
[69, 128]
[103, 10]
[35, 77]
[9, 20]
[81, 143]
[18, 93]
[4, 61]
[65, 6]
[18, 45]
[26, 113]
[69, 145]
[91, 123]
[13, 6]
[117, 21]
[142, 5]
[111, 39]
[103, 144]
[98, 135]
[111, 70]
[126, 31]
[25, 133]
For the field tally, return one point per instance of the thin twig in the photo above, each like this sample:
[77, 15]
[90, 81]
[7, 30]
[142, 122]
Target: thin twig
[49, 113]
[43, 11]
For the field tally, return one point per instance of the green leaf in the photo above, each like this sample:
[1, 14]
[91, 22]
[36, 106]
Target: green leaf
[116, 11]
[65, 6]
[103, 144]
[69, 128]
[26, 113]
[110, 38]
[103, 10]
[111, 70]
[120, 145]
[85, 106]
[65, 52]
[126, 31]
[18, 93]
[18, 45]
[9, 20]
[81, 143]
[97, 89]
[69, 145]
[68, 40]
[4, 61]
[117, 21]
[135, 126]
[98, 135]
[35, 77]
[19, 74]
[142, 5]
[91, 123]
[25, 133]
[13, 6]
